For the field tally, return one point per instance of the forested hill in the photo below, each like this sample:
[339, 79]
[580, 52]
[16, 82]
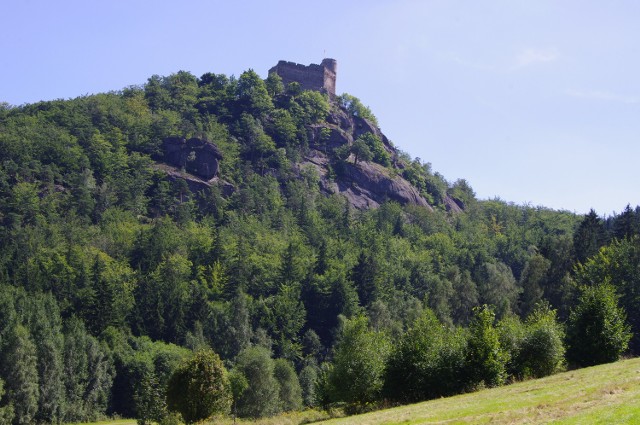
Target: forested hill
[260, 221]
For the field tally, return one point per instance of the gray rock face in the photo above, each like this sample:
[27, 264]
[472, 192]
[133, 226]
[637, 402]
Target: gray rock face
[366, 184]
[197, 156]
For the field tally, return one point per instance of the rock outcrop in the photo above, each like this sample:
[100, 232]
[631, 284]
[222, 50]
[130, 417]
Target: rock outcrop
[197, 156]
[365, 185]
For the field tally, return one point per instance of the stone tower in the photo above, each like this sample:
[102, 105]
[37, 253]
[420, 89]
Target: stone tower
[320, 78]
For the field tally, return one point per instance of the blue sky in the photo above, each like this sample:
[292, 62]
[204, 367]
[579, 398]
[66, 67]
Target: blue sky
[535, 101]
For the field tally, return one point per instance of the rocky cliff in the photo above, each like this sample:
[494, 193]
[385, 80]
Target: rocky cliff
[364, 184]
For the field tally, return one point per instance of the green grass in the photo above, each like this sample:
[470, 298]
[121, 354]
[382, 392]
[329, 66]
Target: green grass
[607, 394]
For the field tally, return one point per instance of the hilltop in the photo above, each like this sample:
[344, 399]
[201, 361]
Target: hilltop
[269, 221]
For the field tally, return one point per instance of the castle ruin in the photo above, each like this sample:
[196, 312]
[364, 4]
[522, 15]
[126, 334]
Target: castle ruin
[320, 78]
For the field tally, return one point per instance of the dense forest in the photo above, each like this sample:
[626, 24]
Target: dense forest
[121, 281]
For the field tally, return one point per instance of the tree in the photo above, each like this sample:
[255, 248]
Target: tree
[252, 94]
[46, 329]
[618, 263]
[261, 398]
[589, 236]
[531, 281]
[535, 347]
[485, 359]
[200, 388]
[427, 362]
[19, 367]
[542, 351]
[597, 331]
[360, 356]
[356, 108]
[308, 382]
[290, 390]
[88, 373]
[6, 411]
[498, 288]
[361, 151]
[375, 145]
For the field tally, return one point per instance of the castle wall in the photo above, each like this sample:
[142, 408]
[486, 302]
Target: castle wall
[312, 77]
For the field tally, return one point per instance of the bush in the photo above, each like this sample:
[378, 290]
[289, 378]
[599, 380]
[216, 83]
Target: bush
[200, 388]
[597, 332]
[536, 347]
[426, 363]
[542, 351]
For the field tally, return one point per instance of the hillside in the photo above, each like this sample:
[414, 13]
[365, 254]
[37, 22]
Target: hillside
[278, 227]
[606, 394]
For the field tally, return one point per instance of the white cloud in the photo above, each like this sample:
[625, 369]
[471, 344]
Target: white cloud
[604, 95]
[530, 57]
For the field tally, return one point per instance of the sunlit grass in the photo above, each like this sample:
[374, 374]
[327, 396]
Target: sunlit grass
[608, 394]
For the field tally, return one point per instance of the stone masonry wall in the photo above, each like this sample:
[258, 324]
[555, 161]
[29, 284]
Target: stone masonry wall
[312, 77]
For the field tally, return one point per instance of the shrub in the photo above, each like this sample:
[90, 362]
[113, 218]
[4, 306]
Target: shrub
[199, 388]
[597, 332]
[426, 363]
[536, 347]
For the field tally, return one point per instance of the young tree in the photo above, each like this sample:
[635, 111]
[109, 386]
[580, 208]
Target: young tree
[361, 151]
[261, 398]
[485, 359]
[290, 391]
[597, 331]
[359, 362]
[200, 388]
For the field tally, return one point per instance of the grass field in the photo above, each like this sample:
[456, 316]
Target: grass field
[607, 394]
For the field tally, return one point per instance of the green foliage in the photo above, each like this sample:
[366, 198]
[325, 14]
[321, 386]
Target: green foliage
[88, 375]
[597, 331]
[314, 107]
[357, 376]
[375, 145]
[308, 383]
[361, 151]
[485, 358]
[262, 397]
[426, 363]
[617, 263]
[200, 388]
[535, 347]
[355, 107]
[6, 411]
[290, 390]
[19, 364]
[94, 231]
[252, 94]
[498, 288]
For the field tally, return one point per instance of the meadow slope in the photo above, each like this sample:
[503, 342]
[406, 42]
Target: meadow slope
[606, 394]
